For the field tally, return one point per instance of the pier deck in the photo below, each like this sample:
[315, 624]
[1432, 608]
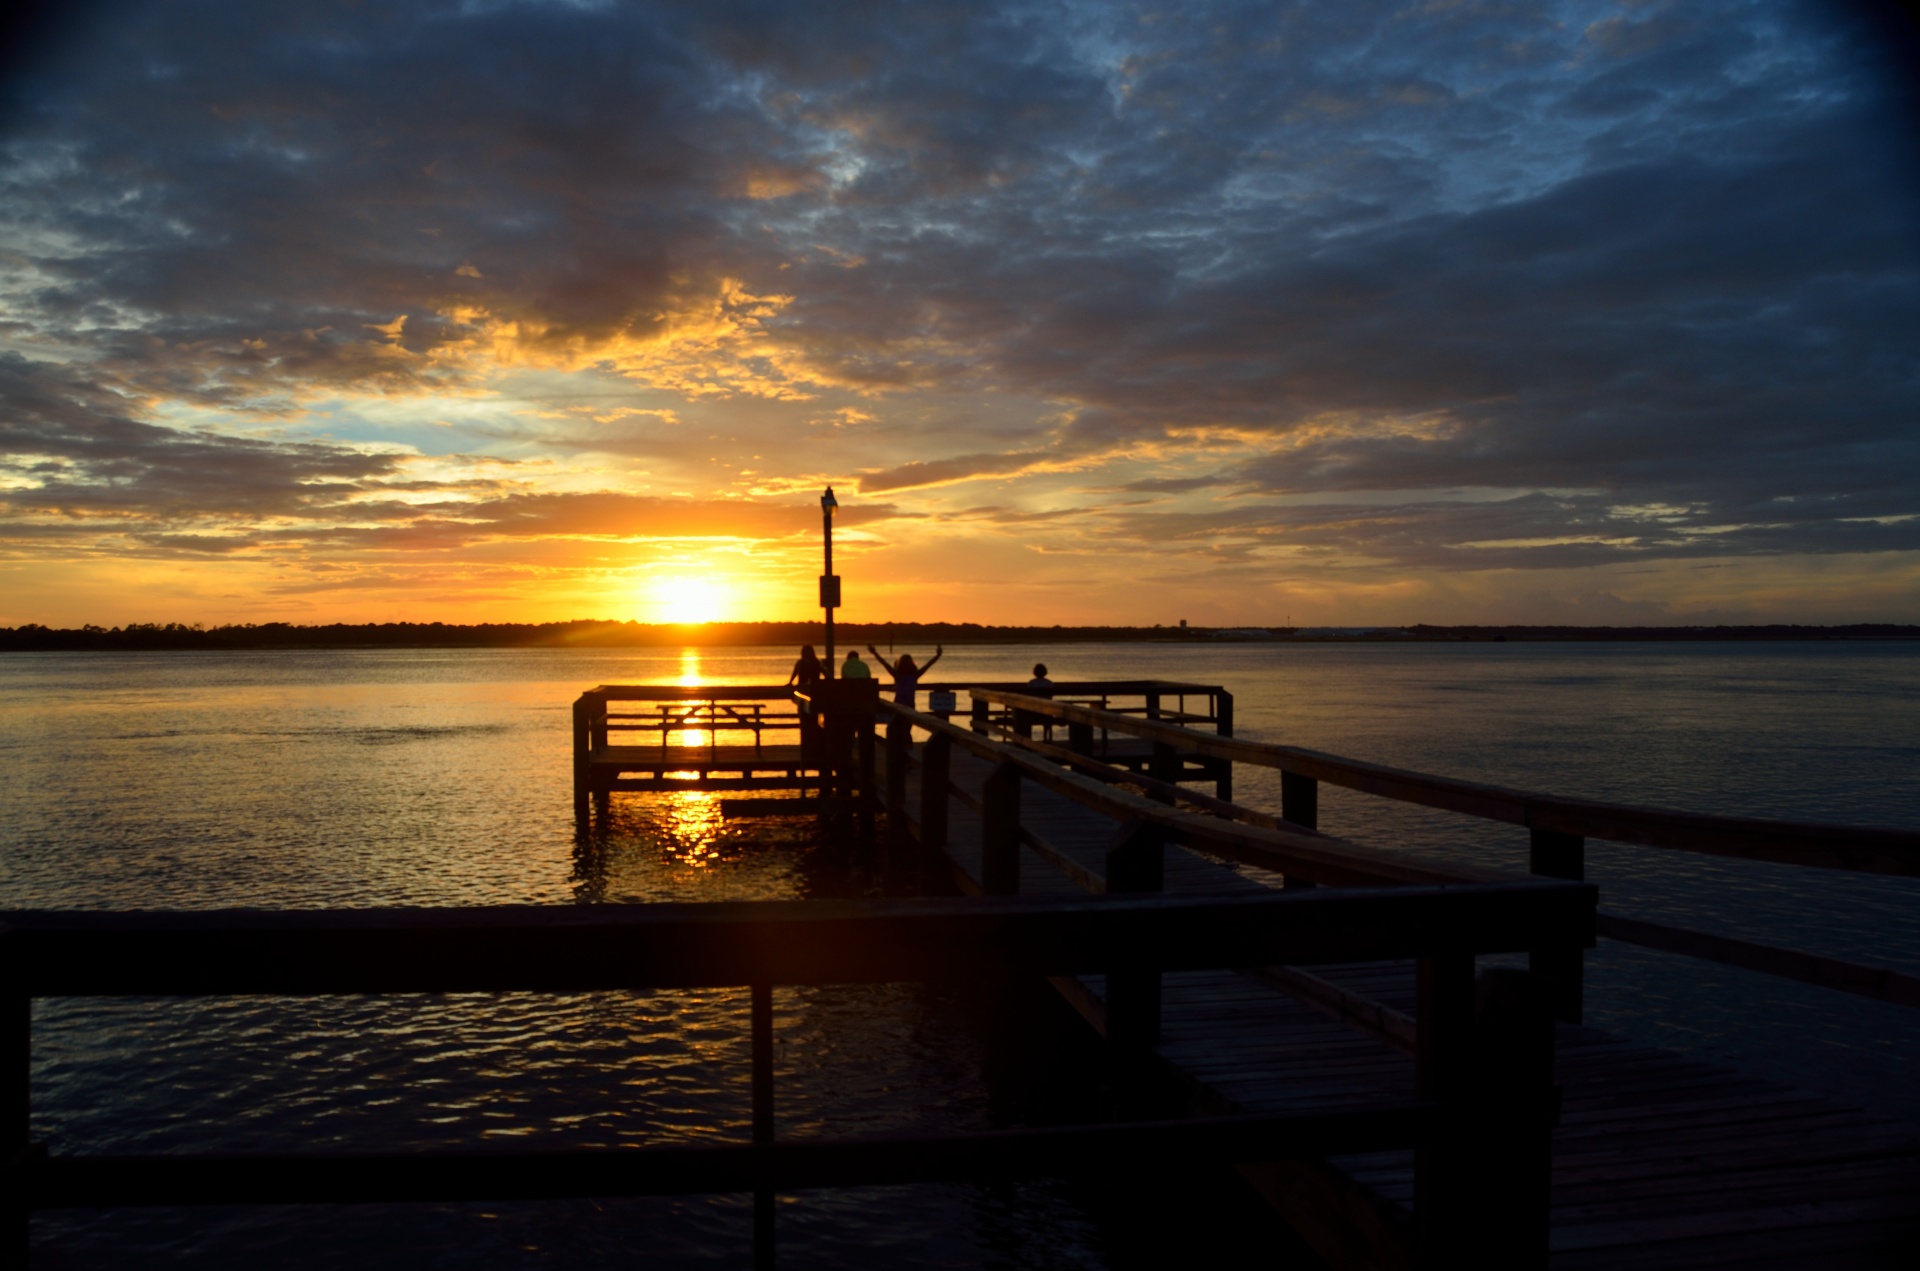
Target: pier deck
[1658, 1160]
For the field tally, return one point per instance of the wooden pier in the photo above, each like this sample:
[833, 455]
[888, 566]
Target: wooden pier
[1657, 1160]
[1310, 1010]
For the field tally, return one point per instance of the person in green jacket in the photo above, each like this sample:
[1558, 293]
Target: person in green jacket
[853, 668]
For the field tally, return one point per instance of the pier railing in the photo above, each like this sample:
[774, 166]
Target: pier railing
[1478, 1119]
[760, 733]
[1558, 828]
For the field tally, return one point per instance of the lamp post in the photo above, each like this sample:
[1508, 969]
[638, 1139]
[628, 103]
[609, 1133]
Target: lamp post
[829, 581]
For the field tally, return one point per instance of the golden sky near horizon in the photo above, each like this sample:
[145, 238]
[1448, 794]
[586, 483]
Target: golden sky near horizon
[1091, 313]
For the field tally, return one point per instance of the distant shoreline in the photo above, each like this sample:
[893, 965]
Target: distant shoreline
[148, 637]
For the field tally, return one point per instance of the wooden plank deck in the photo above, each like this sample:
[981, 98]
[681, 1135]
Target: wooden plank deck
[1660, 1161]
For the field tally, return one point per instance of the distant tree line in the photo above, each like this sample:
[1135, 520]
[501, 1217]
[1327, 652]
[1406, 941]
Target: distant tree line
[144, 636]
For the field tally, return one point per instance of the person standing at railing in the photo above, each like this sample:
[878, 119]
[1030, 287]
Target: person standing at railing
[906, 675]
[807, 671]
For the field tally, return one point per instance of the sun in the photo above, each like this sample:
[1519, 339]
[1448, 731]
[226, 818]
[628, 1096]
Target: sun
[686, 600]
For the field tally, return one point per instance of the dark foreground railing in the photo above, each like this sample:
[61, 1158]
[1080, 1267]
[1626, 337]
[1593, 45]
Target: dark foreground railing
[1479, 1117]
[1558, 829]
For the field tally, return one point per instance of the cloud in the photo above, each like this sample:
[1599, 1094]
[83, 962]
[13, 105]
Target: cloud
[1297, 272]
[69, 447]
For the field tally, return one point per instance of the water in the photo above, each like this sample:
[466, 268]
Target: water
[443, 778]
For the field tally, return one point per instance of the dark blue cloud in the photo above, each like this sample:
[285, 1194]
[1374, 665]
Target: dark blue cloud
[1655, 254]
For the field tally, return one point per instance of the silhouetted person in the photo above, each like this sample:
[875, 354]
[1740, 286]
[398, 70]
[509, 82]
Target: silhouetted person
[1038, 686]
[807, 671]
[906, 675]
[853, 668]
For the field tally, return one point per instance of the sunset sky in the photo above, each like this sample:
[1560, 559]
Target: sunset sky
[1091, 313]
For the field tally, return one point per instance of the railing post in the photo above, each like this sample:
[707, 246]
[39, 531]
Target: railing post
[1552, 854]
[978, 720]
[1136, 863]
[1443, 1073]
[1299, 805]
[1162, 760]
[934, 766]
[869, 783]
[760, 1030]
[899, 747]
[1299, 800]
[1000, 831]
[1080, 738]
[1223, 725]
[1516, 1106]
[1482, 1177]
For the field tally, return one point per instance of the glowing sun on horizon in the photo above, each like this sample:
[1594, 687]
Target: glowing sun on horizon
[686, 600]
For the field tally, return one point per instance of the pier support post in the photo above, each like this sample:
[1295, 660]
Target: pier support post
[1000, 831]
[582, 761]
[1136, 863]
[1555, 855]
[597, 736]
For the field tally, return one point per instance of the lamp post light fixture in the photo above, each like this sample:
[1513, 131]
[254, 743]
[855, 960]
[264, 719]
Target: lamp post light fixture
[829, 581]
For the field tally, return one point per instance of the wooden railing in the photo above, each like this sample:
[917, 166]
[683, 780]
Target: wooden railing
[1558, 829]
[1478, 1119]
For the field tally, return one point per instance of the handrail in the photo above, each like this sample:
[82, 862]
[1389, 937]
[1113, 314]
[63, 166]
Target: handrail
[1312, 856]
[1880, 983]
[567, 949]
[767, 693]
[1459, 1126]
[1858, 848]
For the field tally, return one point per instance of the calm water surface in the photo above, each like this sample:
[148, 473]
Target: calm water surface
[443, 778]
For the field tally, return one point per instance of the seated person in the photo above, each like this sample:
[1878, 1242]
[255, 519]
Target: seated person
[1038, 686]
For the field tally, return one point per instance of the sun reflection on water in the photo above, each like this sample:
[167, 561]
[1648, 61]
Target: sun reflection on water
[690, 828]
